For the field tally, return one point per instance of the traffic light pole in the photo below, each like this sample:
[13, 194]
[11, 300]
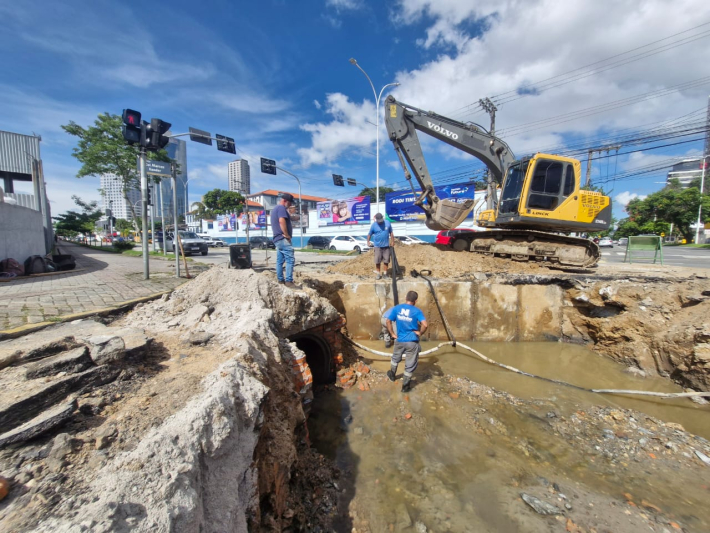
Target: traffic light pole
[144, 214]
[152, 216]
[173, 167]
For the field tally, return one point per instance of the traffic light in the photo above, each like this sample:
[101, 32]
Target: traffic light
[268, 166]
[113, 221]
[131, 128]
[225, 144]
[150, 195]
[158, 128]
[338, 180]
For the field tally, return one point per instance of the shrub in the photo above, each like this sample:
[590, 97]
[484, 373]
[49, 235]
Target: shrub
[122, 246]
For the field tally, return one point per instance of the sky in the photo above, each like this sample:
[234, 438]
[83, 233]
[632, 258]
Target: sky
[275, 75]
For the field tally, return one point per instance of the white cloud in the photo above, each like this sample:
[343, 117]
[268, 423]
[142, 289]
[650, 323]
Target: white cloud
[317, 104]
[344, 4]
[350, 129]
[625, 197]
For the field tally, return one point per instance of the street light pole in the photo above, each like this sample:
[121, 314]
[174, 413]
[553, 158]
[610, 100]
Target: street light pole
[377, 125]
[700, 207]
[300, 202]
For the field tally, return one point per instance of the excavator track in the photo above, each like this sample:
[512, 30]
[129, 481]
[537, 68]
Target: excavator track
[529, 245]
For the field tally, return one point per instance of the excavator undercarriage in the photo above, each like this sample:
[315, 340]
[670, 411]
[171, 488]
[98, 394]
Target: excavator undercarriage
[527, 245]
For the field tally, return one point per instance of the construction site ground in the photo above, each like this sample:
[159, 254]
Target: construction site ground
[148, 450]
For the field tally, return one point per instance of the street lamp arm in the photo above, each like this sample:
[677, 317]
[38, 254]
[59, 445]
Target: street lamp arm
[374, 92]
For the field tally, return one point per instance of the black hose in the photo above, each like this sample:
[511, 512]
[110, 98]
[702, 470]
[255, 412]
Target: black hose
[416, 274]
[395, 273]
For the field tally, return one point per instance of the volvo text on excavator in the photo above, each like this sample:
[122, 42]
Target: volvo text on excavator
[541, 198]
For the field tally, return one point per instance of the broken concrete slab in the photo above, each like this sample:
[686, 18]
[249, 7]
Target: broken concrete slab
[199, 337]
[71, 362]
[106, 349]
[28, 402]
[47, 420]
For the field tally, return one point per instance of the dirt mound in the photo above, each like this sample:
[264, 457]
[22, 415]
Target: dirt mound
[441, 260]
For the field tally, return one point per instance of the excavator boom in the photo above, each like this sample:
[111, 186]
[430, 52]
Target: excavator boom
[403, 121]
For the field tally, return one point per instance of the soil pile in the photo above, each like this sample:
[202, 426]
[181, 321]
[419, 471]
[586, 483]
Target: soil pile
[204, 433]
[441, 260]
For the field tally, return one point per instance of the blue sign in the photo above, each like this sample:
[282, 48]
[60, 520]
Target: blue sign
[400, 207]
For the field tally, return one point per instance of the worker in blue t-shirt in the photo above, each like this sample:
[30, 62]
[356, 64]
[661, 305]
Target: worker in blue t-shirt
[283, 233]
[383, 238]
[411, 325]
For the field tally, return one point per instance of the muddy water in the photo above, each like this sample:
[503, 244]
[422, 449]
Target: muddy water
[459, 463]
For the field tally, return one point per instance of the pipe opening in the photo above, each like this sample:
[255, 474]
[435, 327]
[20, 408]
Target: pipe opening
[318, 357]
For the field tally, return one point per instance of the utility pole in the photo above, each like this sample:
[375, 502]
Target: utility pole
[490, 108]
[606, 149]
[700, 207]
[152, 215]
[162, 214]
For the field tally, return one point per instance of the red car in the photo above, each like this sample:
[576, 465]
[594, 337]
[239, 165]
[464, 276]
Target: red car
[445, 237]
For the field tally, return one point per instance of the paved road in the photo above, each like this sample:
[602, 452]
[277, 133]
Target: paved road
[672, 256]
[101, 280]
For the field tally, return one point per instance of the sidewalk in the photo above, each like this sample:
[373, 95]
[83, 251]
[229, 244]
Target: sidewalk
[106, 280]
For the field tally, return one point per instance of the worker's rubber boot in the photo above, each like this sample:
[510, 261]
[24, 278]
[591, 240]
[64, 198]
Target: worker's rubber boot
[407, 384]
[391, 374]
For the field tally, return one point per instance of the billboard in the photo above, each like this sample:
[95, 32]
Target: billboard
[257, 220]
[225, 222]
[344, 212]
[400, 207]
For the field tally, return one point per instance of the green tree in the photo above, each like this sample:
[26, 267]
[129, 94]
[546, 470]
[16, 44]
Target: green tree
[123, 226]
[372, 193]
[221, 202]
[72, 223]
[101, 149]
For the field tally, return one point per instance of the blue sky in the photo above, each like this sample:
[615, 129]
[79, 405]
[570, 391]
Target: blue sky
[275, 76]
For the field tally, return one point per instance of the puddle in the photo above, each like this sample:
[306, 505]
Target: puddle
[460, 460]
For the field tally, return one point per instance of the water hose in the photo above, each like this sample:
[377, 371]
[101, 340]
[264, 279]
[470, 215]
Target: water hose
[395, 272]
[416, 274]
[528, 374]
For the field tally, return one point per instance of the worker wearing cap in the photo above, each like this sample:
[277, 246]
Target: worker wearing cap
[411, 325]
[382, 237]
[283, 233]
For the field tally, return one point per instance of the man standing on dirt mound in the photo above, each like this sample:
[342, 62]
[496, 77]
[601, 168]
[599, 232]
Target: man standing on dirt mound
[383, 237]
[283, 233]
[411, 325]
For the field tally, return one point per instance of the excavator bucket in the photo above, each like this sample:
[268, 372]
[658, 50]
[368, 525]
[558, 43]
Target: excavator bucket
[448, 214]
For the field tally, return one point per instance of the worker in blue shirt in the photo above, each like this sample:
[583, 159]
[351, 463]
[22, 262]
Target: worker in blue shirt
[411, 325]
[283, 233]
[383, 238]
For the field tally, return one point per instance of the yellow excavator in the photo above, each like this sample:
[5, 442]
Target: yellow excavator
[541, 198]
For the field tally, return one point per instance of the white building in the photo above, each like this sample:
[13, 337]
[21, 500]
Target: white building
[112, 198]
[239, 177]
[686, 171]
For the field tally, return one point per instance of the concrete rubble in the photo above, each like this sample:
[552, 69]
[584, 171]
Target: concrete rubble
[226, 453]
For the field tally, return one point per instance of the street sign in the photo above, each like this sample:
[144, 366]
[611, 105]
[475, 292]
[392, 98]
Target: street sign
[351, 181]
[200, 136]
[225, 144]
[268, 166]
[338, 180]
[158, 168]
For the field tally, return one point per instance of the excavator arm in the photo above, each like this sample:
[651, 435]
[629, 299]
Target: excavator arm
[403, 121]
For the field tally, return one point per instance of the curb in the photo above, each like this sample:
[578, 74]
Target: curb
[106, 311]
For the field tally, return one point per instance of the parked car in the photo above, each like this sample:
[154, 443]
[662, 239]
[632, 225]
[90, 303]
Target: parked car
[191, 243]
[446, 237]
[347, 243]
[623, 241]
[213, 242]
[319, 243]
[406, 239]
[261, 242]
[605, 242]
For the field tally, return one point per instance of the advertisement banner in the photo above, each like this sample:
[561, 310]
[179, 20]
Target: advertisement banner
[257, 220]
[225, 222]
[400, 207]
[344, 212]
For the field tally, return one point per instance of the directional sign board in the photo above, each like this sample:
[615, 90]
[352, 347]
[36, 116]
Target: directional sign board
[158, 168]
[338, 180]
[351, 181]
[268, 166]
[200, 136]
[225, 144]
